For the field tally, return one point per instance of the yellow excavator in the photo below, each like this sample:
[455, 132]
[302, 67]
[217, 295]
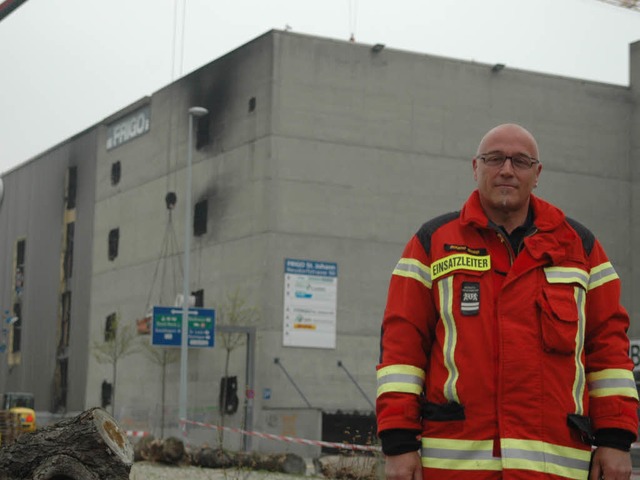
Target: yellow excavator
[17, 415]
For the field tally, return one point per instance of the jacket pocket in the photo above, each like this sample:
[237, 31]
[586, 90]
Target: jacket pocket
[581, 425]
[442, 412]
[558, 319]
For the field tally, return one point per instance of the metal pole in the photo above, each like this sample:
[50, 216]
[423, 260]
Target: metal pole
[250, 376]
[341, 365]
[277, 362]
[184, 347]
[251, 359]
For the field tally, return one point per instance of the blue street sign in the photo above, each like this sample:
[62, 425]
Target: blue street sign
[167, 327]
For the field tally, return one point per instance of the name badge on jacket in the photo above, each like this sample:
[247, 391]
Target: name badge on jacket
[470, 298]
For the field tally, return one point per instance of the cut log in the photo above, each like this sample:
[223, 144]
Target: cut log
[143, 448]
[349, 466]
[249, 460]
[286, 463]
[90, 446]
[172, 450]
[281, 462]
[169, 450]
[212, 458]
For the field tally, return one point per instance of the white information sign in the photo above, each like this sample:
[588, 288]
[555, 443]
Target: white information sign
[310, 303]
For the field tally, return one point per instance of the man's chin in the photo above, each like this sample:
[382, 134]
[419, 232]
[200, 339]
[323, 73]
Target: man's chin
[505, 203]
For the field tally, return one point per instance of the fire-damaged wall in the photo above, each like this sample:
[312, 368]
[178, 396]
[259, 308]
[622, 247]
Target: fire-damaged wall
[46, 220]
[229, 220]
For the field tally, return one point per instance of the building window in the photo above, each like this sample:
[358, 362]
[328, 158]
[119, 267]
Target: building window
[68, 251]
[202, 132]
[200, 218]
[252, 104]
[63, 373]
[18, 291]
[72, 183]
[16, 333]
[199, 297]
[114, 239]
[60, 384]
[65, 321]
[110, 328]
[20, 257]
[115, 173]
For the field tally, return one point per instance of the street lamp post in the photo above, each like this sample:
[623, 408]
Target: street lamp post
[184, 346]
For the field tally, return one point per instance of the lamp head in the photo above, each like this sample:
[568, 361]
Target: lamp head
[198, 111]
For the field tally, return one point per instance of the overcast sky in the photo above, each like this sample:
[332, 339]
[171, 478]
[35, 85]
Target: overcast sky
[67, 64]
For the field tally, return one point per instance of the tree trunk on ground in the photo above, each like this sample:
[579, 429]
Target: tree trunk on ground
[143, 449]
[168, 450]
[213, 458]
[349, 466]
[285, 463]
[279, 462]
[90, 446]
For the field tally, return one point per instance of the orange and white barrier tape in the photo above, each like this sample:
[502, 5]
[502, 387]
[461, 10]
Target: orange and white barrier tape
[285, 438]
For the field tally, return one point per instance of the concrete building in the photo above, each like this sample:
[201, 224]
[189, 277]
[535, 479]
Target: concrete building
[46, 220]
[313, 149]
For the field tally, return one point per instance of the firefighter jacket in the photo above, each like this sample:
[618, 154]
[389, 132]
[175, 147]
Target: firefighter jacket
[503, 364]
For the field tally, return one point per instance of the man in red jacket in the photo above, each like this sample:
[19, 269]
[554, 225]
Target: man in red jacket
[504, 352]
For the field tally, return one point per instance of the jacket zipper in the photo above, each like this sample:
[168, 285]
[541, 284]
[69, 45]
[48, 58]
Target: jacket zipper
[505, 241]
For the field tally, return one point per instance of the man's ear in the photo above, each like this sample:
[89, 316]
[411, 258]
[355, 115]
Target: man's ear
[538, 174]
[474, 163]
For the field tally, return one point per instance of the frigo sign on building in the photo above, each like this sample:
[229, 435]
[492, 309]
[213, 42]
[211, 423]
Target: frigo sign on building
[130, 127]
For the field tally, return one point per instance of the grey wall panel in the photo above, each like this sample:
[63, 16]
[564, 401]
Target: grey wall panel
[34, 211]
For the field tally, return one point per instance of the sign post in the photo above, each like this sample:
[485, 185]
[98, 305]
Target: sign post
[166, 330]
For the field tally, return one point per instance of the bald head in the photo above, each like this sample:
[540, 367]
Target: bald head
[508, 132]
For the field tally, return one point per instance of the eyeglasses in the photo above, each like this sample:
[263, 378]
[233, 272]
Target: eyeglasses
[519, 161]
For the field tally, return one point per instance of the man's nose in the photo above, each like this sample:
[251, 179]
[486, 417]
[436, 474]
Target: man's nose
[507, 167]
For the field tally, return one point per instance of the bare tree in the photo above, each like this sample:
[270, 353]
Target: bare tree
[119, 342]
[162, 357]
[237, 312]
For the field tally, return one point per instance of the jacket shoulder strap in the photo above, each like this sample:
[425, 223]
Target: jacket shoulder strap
[428, 228]
[588, 238]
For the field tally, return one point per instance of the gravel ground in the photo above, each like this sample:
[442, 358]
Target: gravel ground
[155, 471]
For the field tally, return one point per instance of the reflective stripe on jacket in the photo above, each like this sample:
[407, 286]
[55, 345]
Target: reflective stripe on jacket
[492, 356]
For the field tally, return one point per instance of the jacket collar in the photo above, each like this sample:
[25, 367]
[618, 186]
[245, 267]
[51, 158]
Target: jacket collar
[546, 218]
